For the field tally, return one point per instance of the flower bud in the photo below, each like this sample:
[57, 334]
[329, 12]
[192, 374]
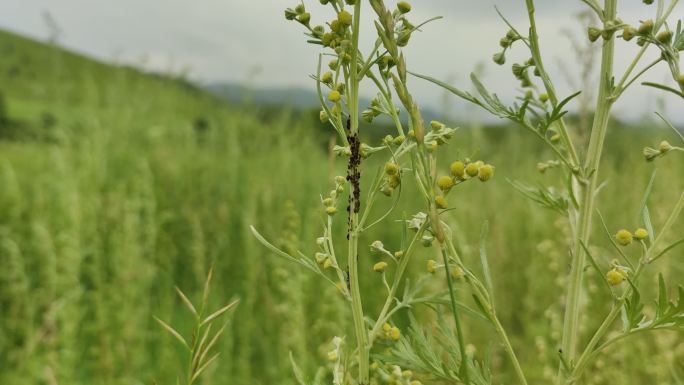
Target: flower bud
[641, 234]
[331, 210]
[333, 64]
[404, 7]
[472, 169]
[665, 36]
[457, 272]
[327, 77]
[334, 96]
[399, 140]
[628, 33]
[300, 9]
[664, 146]
[648, 2]
[304, 18]
[445, 183]
[395, 333]
[544, 98]
[646, 27]
[616, 276]
[391, 168]
[623, 237]
[441, 202]
[345, 18]
[431, 266]
[485, 172]
[290, 14]
[680, 80]
[457, 169]
[436, 126]
[499, 58]
[380, 266]
[650, 153]
[594, 33]
[323, 116]
[393, 181]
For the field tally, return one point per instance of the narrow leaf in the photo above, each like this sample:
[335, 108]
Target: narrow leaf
[219, 312]
[173, 332]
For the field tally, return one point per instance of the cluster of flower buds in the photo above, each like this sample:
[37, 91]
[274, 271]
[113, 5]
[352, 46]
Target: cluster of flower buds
[330, 202]
[394, 375]
[378, 249]
[625, 237]
[461, 171]
[390, 333]
[506, 42]
[617, 274]
[664, 147]
[521, 72]
[542, 167]
[392, 179]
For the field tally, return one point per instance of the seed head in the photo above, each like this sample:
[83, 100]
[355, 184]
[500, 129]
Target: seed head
[391, 168]
[623, 237]
[404, 7]
[380, 266]
[431, 266]
[485, 172]
[334, 96]
[616, 276]
[441, 202]
[641, 234]
[445, 183]
[645, 28]
[458, 169]
[472, 169]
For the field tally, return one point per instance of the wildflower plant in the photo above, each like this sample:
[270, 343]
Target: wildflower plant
[541, 111]
[410, 157]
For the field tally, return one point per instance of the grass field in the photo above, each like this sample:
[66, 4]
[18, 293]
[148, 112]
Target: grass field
[116, 186]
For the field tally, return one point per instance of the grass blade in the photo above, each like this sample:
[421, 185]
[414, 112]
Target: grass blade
[219, 312]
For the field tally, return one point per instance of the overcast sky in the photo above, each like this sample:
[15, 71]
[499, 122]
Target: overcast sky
[250, 41]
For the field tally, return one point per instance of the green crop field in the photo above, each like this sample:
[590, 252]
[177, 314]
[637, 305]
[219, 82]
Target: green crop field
[116, 186]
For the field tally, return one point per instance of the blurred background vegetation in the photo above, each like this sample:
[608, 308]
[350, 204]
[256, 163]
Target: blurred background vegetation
[117, 185]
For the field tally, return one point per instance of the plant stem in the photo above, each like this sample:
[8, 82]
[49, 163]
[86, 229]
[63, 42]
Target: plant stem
[588, 191]
[353, 245]
[509, 348]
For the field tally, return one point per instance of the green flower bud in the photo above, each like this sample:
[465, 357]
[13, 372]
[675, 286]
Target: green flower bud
[504, 42]
[616, 276]
[512, 35]
[436, 125]
[404, 7]
[651, 153]
[403, 39]
[399, 140]
[300, 9]
[327, 77]
[304, 18]
[391, 168]
[345, 18]
[664, 146]
[680, 80]
[323, 116]
[594, 33]
[665, 36]
[333, 64]
[543, 98]
[393, 181]
[380, 266]
[290, 14]
[330, 210]
[334, 96]
[645, 28]
[628, 33]
[648, 2]
[499, 58]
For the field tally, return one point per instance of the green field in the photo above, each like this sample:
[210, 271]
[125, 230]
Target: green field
[116, 186]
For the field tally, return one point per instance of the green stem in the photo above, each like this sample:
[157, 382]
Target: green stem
[353, 246]
[588, 191]
[509, 349]
[457, 321]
